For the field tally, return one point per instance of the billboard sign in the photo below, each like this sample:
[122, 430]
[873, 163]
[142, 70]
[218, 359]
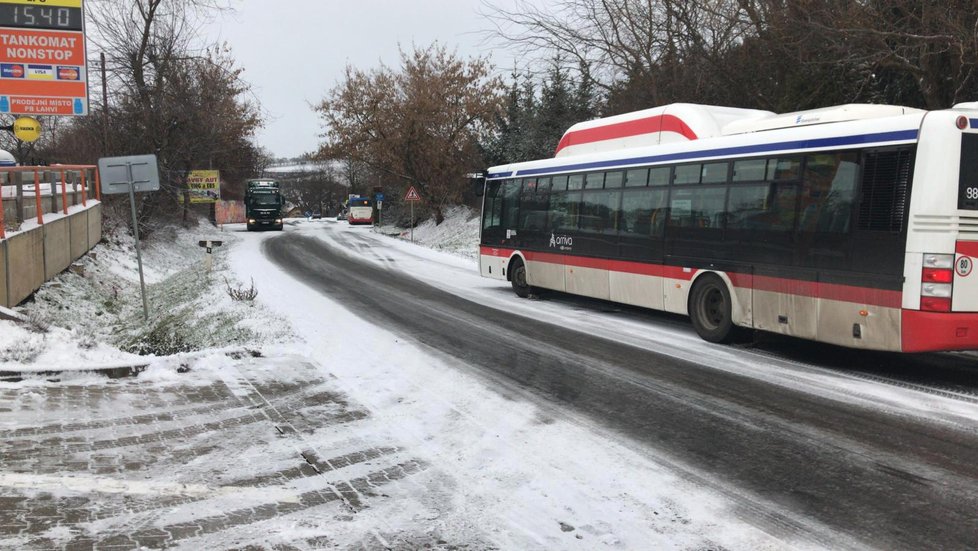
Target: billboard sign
[204, 186]
[43, 68]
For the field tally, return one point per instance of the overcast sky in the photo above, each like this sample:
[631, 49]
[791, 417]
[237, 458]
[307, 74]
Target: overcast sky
[293, 52]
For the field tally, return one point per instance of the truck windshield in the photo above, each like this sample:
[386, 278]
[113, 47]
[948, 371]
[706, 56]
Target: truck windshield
[266, 199]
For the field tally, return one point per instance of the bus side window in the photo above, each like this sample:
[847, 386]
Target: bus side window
[492, 215]
[570, 208]
[643, 212]
[828, 191]
[511, 196]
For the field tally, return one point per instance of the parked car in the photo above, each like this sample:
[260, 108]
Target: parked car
[341, 215]
[317, 216]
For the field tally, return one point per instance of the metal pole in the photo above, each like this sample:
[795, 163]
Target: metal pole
[105, 109]
[135, 231]
[412, 221]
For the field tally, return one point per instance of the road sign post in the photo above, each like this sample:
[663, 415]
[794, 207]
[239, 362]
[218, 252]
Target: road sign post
[209, 245]
[379, 200]
[131, 174]
[412, 197]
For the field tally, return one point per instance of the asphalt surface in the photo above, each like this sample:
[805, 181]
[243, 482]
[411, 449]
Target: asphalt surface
[798, 463]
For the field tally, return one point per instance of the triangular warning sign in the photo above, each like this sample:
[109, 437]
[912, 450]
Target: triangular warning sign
[412, 195]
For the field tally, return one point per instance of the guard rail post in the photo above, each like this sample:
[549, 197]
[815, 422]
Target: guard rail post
[48, 176]
[3, 224]
[37, 197]
[84, 191]
[19, 198]
[64, 192]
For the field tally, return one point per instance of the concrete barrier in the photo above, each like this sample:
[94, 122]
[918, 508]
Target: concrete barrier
[94, 225]
[29, 258]
[79, 234]
[25, 265]
[57, 253]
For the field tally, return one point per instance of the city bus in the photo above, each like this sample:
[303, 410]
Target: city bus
[361, 210]
[854, 225]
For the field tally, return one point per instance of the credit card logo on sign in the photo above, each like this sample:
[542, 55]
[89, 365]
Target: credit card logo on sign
[11, 70]
[40, 72]
[68, 73]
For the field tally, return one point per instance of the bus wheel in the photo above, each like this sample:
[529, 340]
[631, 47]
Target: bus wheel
[517, 275]
[709, 309]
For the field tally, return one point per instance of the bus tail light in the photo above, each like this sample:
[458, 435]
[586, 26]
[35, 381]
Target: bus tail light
[932, 304]
[936, 285]
[935, 275]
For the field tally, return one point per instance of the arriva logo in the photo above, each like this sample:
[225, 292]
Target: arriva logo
[562, 242]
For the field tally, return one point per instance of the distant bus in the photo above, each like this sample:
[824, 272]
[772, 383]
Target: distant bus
[855, 225]
[361, 211]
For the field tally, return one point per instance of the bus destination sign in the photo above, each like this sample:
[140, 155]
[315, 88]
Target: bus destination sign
[43, 66]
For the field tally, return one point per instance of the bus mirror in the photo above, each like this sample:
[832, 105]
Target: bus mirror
[478, 182]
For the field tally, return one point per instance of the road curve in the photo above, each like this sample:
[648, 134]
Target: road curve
[798, 462]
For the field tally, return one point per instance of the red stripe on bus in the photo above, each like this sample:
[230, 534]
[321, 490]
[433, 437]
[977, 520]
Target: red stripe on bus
[967, 248]
[829, 291]
[648, 125]
[494, 251]
[932, 331]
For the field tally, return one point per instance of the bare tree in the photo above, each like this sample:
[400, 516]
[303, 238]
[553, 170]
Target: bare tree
[419, 125]
[769, 54]
[169, 94]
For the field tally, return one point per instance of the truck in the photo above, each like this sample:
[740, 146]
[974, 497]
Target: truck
[263, 204]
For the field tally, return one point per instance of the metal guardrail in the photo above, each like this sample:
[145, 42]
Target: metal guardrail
[13, 177]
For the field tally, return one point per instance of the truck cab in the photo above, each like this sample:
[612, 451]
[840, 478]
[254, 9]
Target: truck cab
[263, 205]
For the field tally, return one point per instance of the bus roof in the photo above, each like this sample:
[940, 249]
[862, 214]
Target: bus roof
[814, 130]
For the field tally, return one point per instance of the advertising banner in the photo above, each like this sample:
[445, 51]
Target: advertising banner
[204, 186]
[43, 68]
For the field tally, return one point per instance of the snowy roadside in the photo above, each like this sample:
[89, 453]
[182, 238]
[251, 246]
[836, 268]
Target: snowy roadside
[91, 316]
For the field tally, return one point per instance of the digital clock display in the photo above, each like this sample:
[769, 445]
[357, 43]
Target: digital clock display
[40, 17]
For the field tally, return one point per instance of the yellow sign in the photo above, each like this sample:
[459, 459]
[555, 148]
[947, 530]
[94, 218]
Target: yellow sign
[27, 129]
[204, 186]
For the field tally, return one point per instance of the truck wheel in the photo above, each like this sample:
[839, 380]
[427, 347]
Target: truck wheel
[517, 276]
[710, 310]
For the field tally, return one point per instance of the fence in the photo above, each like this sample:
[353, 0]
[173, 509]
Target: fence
[32, 251]
[51, 183]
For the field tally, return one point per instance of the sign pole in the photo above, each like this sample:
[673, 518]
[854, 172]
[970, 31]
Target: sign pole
[412, 196]
[135, 231]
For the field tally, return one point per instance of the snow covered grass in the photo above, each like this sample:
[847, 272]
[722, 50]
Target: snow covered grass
[93, 313]
[96, 315]
[458, 234]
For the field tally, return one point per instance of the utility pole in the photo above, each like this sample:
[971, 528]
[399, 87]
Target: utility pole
[105, 108]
